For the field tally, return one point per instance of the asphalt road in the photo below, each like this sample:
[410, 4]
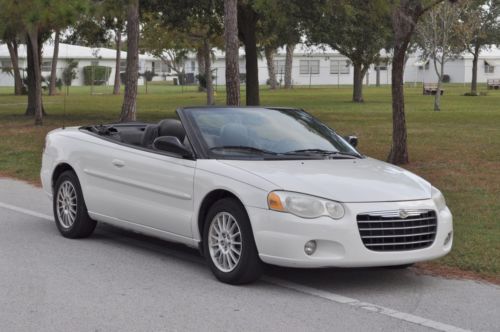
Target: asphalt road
[122, 281]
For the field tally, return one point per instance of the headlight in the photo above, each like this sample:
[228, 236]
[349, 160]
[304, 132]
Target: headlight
[304, 206]
[438, 199]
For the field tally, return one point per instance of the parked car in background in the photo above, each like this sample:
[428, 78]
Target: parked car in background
[246, 186]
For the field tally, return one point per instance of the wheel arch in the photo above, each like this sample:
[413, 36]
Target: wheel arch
[58, 170]
[209, 199]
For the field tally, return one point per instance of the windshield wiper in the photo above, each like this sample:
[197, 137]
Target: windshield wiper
[322, 152]
[243, 148]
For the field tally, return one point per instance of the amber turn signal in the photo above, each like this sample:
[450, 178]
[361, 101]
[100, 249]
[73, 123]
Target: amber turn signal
[274, 202]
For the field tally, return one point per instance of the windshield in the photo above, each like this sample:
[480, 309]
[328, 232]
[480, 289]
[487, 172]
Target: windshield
[266, 133]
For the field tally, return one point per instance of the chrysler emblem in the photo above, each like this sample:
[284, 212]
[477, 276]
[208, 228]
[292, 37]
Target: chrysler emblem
[403, 214]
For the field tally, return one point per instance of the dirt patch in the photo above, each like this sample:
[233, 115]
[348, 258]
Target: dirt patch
[453, 273]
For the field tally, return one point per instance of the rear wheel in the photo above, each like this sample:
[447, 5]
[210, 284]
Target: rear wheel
[229, 245]
[70, 211]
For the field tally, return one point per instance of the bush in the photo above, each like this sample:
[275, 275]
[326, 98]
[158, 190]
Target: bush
[100, 75]
[477, 94]
[148, 75]
[201, 79]
[59, 82]
[446, 78]
[69, 73]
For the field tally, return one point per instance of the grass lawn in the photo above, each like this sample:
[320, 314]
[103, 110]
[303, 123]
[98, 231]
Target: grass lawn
[457, 149]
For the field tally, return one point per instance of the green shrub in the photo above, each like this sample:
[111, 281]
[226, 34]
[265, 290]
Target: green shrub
[99, 75]
[69, 73]
[446, 78]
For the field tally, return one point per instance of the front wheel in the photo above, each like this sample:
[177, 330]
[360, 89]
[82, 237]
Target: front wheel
[228, 243]
[70, 211]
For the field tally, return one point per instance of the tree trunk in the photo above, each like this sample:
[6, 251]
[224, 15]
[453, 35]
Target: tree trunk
[14, 59]
[357, 93]
[207, 53]
[232, 56]
[247, 22]
[475, 59]
[118, 59]
[399, 149]
[377, 69]
[288, 65]
[35, 88]
[200, 59]
[437, 97]
[131, 76]
[53, 69]
[271, 69]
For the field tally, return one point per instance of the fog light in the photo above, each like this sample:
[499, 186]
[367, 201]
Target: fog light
[310, 247]
[448, 238]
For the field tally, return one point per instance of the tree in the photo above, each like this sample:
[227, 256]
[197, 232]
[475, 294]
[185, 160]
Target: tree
[278, 27]
[53, 69]
[37, 19]
[405, 15]
[358, 29]
[438, 36]
[102, 26]
[129, 106]
[269, 52]
[10, 36]
[247, 31]
[290, 48]
[481, 28]
[232, 52]
[193, 25]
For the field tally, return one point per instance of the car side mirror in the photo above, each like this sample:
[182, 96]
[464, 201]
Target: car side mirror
[352, 139]
[171, 144]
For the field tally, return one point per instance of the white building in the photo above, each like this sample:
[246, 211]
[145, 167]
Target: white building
[325, 66]
[459, 70]
[85, 56]
[311, 66]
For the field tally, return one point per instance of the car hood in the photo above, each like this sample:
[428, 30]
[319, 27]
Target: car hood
[344, 180]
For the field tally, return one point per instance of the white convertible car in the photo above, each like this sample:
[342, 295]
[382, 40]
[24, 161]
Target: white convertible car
[245, 186]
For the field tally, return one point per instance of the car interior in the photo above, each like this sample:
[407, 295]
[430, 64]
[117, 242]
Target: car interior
[142, 134]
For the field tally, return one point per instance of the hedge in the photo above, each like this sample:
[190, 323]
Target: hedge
[101, 74]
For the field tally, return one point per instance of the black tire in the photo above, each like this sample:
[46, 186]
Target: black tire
[399, 267]
[83, 225]
[249, 266]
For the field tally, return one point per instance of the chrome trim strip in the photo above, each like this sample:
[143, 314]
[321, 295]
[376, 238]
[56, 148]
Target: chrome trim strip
[398, 235]
[395, 213]
[396, 243]
[397, 220]
[149, 187]
[391, 228]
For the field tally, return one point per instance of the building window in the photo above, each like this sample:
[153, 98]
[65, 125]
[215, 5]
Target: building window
[309, 67]
[489, 68]
[424, 66]
[123, 65]
[47, 65]
[381, 67]
[339, 67]
[165, 68]
[6, 64]
[279, 66]
[193, 66]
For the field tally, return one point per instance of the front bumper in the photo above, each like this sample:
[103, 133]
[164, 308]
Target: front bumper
[280, 238]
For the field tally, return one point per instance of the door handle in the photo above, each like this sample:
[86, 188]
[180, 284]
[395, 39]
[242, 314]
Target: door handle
[118, 163]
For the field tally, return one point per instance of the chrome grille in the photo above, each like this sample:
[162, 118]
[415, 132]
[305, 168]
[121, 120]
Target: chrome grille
[397, 230]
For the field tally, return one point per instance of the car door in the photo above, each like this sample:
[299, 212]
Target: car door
[142, 187]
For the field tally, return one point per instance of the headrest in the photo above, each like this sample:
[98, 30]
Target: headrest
[171, 127]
